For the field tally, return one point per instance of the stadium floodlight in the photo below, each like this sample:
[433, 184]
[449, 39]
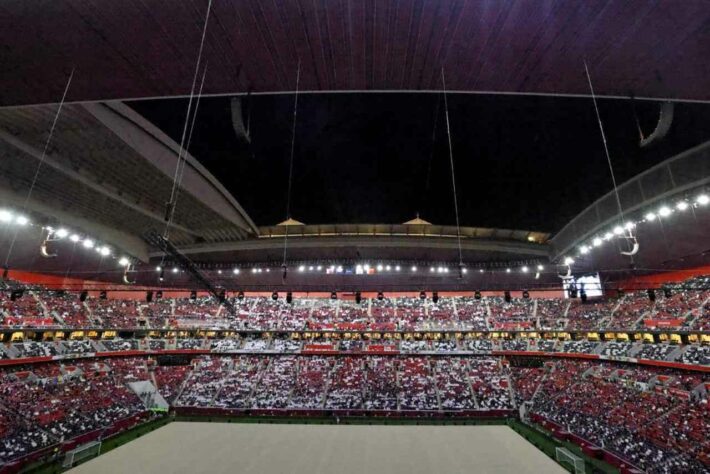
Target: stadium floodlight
[61, 233]
[650, 216]
[569, 261]
[618, 230]
[319, 267]
[310, 269]
[388, 268]
[124, 262]
[175, 269]
[339, 269]
[507, 270]
[608, 236]
[446, 269]
[5, 215]
[629, 225]
[158, 268]
[440, 270]
[682, 205]
[379, 267]
[366, 267]
[525, 269]
[88, 243]
[22, 220]
[664, 211]
[397, 268]
[74, 238]
[432, 269]
[540, 268]
[302, 268]
[105, 251]
[584, 250]
[235, 271]
[219, 272]
[481, 270]
[414, 269]
[703, 199]
[597, 241]
[464, 270]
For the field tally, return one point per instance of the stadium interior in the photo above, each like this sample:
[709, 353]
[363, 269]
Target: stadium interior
[394, 212]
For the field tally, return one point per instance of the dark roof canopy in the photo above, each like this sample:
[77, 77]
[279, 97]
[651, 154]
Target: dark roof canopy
[148, 48]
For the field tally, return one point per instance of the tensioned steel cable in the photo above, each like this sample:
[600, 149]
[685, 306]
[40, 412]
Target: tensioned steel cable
[41, 162]
[606, 149]
[290, 165]
[453, 175]
[170, 207]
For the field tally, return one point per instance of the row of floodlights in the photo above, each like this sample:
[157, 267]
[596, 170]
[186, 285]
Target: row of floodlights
[366, 269]
[662, 212]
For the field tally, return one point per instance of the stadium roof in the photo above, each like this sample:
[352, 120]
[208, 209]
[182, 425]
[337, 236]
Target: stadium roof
[133, 49]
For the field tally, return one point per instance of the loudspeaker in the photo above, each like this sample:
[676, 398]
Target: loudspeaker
[526, 294]
[83, 295]
[477, 295]
[149, 296]
[289, 297]
[506, 296]
[651, 294]
[358, 297]
[435, 297]
[102, 295]
[193, 295]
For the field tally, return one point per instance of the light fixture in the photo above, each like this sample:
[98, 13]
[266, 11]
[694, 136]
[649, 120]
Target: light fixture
[124, 262]
[319, 267]
[88, 243]
[507, 270]
[525, 269]
[569, 260]
[366, 267]
[597, 242]
[388, 268]
[61, 233]
[664, 211]
[618, 230]
[175, 269]
[440, 270]
[481, 270]
[379, 267]
[219, 272]
[105, 251]
[254, 270]
[464, 270]
[302, 268]
[310, 269]
[5, 215]
[397, 268]
[703, 199]
[414, 269]
[584, 250]
[432, 269]
[74, 238]
[682, 206]
[235, 271]
[608, 236]
[339, 269]
[22, 220]
[158, 268]
[540, 268]
[629, 225]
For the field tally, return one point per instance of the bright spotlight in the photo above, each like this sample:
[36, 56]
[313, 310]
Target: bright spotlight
[397, 268]
[664, 211]
[525, 269]
[629, 225]
[74, 238]
[366, 267]
[319, 267]
[703, 199]
[158, 268]
[88, 243]
[464, 271]
[61, 233]
[414, 269]
[650, 216]
[432, 269]
[310, 269]
[440, 270]
[540, 268]
[219, 272]
[254, 270]
[124, 262]
[339, 269]
[682, 206]
[105, 251]
[22, 220]
[5, 215]
[235, 271]
[608, 236]
[507, 270]
[597, 242]
[481, 270]
[618, 230]
[175, 269]
[569, 260]
[302, 268]
[584, 250]
[379, 268]
[388, 268]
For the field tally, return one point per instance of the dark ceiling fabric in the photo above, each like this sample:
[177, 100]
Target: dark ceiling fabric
[521, 162]
[148, 48]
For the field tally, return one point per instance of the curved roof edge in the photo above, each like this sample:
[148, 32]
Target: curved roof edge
[151, 143]
[680, 173]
